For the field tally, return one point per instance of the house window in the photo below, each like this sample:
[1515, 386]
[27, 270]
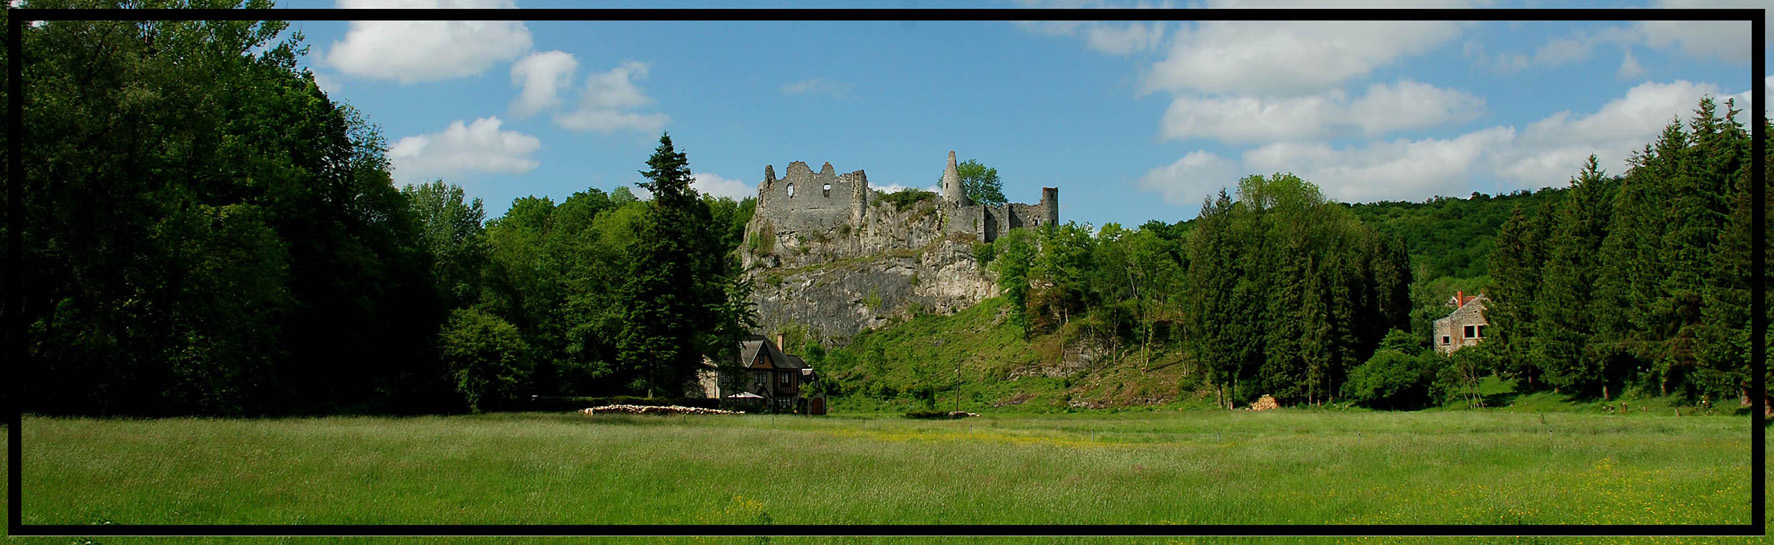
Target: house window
[1471, 331]
[782, 379]
[1480, 332]
[1446, 340]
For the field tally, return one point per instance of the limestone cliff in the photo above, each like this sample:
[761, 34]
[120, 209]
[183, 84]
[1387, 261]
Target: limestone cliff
[827, 254]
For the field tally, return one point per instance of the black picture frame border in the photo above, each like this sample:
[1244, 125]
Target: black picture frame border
[15, 326]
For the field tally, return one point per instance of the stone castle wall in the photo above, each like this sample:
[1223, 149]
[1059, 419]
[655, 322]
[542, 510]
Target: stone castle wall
[807, 201]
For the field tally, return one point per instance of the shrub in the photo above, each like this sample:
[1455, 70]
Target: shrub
[1402, 341]
[984, 252]
[907, 197]
[763, 242]
[1461, 372]
[486, 359]
[1392, 380]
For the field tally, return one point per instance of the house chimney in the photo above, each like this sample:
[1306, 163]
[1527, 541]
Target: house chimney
[779, 340]
[1459, 298]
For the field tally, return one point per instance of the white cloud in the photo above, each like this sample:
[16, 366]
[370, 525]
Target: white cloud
[462, 148]
[714, 184]
[1401, 169]
[1723, 40]
[1403, 105]
[606, 98]
[543, 76]
[1630, 68]
[1111, 38]
[1124, 40]
[1194, 177]
[616, 88]
[1288, 57]
[817, 86]
[1249, 118]
[611, 120]
[1105, 37]
[415, 51]
[1562, 50]
[1726, 41]
[1409, 105]
[1547, 152]
[329, 84]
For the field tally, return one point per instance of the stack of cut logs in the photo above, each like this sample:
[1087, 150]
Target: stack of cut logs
[1265, 403]
[652, 409]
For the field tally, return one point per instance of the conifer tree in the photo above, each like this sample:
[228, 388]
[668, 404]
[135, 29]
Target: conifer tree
[1515, 280]
[1213, 277]
[668, 290]
[1564, 325]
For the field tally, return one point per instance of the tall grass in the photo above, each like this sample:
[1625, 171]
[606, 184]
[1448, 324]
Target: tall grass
[1132, 468]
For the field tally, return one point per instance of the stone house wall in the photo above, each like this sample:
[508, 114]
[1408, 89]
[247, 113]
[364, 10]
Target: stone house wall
[1450, 331]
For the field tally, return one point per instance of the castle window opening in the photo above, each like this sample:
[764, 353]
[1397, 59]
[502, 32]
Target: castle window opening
[828, 190]
[791, 191]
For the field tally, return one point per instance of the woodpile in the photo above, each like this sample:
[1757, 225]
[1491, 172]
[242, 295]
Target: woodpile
[1265, 403]
[652, 409]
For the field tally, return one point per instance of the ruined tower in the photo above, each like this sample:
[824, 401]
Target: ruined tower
[951, 183]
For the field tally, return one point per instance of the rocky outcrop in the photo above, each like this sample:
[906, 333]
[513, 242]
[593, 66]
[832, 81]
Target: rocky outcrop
[835, 280]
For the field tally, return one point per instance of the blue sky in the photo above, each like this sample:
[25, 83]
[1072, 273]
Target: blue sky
[1132, 121]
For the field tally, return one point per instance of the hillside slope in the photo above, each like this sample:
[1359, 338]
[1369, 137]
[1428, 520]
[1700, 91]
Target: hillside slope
[977, 359]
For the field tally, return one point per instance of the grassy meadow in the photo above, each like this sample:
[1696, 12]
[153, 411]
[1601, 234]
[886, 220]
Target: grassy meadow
[1171, 467]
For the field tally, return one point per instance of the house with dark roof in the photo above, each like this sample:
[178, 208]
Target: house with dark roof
[775, 378]
[1463, 327]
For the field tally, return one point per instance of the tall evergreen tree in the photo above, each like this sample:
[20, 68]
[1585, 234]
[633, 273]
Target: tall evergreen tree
[1515, 282]
[1564, 325]
[672, 290]
[1213, 276]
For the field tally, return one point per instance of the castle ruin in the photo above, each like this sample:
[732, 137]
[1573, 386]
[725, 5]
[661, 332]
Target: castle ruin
[832, 257]
[805, 201]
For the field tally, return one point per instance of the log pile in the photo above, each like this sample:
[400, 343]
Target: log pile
[1265, 403]
[652, 409]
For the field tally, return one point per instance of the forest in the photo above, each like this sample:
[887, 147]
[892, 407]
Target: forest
[207, 232]
[1636, 282]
